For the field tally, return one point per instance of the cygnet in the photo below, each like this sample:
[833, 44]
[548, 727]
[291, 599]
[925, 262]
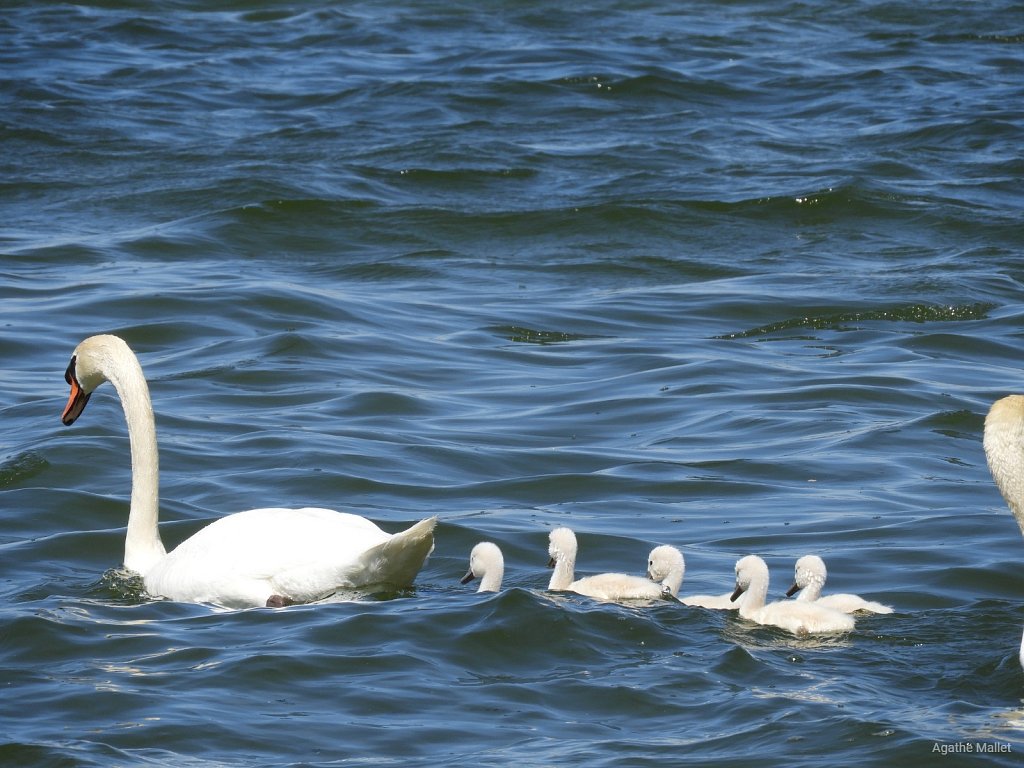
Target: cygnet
[809, 578]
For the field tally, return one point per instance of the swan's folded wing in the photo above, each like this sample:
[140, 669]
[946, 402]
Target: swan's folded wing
[393, 562]
[300, 554]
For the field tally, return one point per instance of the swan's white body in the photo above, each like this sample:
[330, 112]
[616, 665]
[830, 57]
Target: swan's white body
[723, 602]
[715, 602]
[809, 577]
[800, 618]
[562, 548]
[487, 564]
[1004, 450]
[256, 558]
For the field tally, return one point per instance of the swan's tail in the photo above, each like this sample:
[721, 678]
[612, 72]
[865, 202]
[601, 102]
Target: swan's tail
[397, 561]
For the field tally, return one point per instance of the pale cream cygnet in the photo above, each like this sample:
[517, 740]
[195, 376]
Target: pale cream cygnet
[809, 577]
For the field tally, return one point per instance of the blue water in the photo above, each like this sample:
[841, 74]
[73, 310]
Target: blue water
[742, 277]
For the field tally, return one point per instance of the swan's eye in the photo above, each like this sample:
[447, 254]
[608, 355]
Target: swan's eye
[69, 374]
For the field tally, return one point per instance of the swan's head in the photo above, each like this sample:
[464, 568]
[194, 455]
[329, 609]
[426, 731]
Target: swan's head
[561, 546]
[90, 362]
[666, 566]
[748, 570]
[810, 569]
[485, 561]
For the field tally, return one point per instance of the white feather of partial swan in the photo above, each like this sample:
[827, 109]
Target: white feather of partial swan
[262, 557]
[800, 618]
[562, 548]
[1004, 450]
[487, 564]
[809, 575]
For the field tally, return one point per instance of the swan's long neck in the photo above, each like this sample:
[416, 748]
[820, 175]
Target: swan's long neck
[755, 595]
[1004, 449]
[491, 581]
[811, 591]
[142, 547]
[674, 580]
[565, 571]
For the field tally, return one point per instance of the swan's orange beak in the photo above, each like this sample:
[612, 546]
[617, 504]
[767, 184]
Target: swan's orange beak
[78, 399]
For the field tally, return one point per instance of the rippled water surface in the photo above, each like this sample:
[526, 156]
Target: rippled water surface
[742, 277]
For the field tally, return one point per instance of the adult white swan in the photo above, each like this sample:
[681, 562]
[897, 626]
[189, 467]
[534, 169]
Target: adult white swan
[809, 576]
[1004, 450]
[800, 618]
[262, 557]
[562, 548]
[487, 564]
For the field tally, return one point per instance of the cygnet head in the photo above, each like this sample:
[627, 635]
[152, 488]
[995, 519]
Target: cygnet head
[750, 571]
[487, 564]
[809, 572]
[561, 546]
[666, 566]
[562, 557]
